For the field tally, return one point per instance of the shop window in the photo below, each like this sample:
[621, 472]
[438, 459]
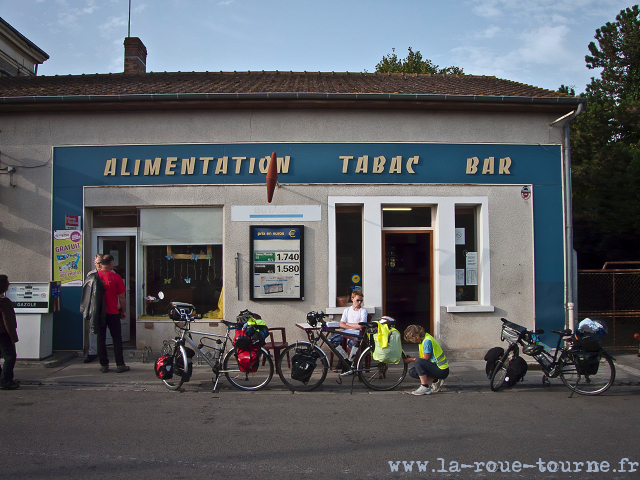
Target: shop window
[184, 273]
[348, 251]
[182, 258]
[467, 261]
[406, 216]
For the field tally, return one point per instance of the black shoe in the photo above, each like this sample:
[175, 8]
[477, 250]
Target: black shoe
[122, 368]
[104, 368]
[90, 358]
[11, 386]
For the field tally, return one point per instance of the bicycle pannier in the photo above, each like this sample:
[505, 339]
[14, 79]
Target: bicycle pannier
[388, 346]
[248, 358]
[491, 357]
[164, 367]
[516, 371]
[179, 368]
[587, 342]
[303, 363]
[587, 363]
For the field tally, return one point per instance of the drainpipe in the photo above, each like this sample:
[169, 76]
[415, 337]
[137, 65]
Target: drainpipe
[568, 215]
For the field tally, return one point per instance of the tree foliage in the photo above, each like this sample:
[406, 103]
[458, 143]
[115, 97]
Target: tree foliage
[606, 150]
[414, 63]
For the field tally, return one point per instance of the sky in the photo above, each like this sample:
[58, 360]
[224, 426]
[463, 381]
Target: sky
[537, 42]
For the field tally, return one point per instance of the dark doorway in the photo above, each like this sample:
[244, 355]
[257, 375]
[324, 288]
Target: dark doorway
[408, 278]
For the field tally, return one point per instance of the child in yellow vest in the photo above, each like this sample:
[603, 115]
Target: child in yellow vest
[431, 367]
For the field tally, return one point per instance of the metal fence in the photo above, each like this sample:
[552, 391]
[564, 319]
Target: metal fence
[613, 295]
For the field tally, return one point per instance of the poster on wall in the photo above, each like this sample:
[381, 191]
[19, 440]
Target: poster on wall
[67, 257]
[277, 266]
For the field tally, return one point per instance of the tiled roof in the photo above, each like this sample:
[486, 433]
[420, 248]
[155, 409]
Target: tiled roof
[267, 82]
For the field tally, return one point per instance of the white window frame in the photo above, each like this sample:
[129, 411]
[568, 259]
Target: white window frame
[444, 288]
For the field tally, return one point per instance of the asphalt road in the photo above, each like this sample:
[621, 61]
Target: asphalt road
[97, 432]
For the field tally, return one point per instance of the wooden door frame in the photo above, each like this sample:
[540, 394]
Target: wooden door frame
[384, 271]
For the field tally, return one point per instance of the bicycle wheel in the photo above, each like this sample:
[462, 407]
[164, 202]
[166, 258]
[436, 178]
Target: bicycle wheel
[172, 347]
[248, 380]
[380, 376]
[319, 372]
[587, 381]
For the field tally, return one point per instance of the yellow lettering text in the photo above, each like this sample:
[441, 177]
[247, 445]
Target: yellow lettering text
[410, 162]
[505, 163]
[188, 164]
[238, 161]
[110, 167]
[252, 164]
[363, 164]
[345, 162]
[283, 164]
[123, 169]
[378, 164]
[136, 168]
[221, 166]
[472, 165]
[264, 164]
[488, 166]
[205, 164]
[396, 165]
[152, 167]
[170, 165]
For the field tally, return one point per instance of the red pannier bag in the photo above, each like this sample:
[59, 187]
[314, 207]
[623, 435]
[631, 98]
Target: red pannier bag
[247, 351]
[164, 367]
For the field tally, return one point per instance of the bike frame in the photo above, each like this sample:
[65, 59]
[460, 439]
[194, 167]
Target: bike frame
[343, 361]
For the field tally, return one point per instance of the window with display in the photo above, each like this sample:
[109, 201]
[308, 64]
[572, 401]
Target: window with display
[466, 254]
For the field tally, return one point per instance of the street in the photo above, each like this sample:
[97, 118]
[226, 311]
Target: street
[132, 432]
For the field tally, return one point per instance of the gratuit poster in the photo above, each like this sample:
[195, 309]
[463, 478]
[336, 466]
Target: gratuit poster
[67, 257]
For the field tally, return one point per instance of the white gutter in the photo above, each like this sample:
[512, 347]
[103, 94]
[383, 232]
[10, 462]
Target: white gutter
[568, 215]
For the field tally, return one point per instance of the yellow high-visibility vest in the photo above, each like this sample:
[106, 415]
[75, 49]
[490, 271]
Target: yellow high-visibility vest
[437, 356]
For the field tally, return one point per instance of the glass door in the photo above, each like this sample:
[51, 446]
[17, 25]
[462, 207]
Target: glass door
[408, 278]
[120, 249]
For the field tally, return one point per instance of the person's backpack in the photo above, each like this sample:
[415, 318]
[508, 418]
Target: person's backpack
[516, 371]
[388, 344]
[164, 367]
[491, 357]
[303, 363]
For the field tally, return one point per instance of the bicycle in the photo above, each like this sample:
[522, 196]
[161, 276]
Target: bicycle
[583, 372]
[212, 349]
[374, 374]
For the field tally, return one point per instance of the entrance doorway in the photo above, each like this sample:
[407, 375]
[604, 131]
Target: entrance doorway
[122, 248]
[408, 278]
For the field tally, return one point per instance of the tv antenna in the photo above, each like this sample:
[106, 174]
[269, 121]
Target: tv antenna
[129, 27]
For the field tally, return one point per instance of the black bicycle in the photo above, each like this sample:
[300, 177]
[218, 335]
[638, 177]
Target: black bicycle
[309, 364]
[584, 372]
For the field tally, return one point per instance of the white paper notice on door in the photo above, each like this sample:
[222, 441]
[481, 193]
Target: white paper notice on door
[459, 276]
[472, 277]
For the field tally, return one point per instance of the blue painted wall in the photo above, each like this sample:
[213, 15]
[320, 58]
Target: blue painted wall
[539, 165]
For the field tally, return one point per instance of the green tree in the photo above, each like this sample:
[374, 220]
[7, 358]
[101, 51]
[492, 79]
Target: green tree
[568, 89]
[606, 150]
[414, 63]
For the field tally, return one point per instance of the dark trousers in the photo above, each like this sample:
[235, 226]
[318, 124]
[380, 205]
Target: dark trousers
[428, 368]
[113, 322]
[8, 354]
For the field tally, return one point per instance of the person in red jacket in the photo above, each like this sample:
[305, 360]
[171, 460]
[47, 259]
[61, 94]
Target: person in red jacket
[8, 338]
[114, 295]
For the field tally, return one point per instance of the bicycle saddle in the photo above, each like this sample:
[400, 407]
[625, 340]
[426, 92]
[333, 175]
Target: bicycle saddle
[565, 333]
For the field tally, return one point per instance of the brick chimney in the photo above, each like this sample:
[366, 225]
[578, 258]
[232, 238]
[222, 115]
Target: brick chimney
[135, 56]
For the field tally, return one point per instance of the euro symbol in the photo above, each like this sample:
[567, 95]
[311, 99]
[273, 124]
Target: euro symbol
[292, 233]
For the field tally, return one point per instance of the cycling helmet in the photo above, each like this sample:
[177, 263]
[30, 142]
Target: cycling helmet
[387, 320]
[533, 350]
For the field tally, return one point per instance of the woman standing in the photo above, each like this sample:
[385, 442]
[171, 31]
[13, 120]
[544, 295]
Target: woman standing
[8, 338]
[431, 367]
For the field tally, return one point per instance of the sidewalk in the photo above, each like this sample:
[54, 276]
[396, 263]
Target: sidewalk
[66, 369]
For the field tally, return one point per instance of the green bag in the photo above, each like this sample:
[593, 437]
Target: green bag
[392, 351]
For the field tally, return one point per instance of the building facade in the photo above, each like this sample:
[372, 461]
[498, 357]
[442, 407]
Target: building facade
[442, 197]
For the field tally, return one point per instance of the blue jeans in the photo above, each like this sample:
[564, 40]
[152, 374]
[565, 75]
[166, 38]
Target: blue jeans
[8, 353]
[113, 322]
